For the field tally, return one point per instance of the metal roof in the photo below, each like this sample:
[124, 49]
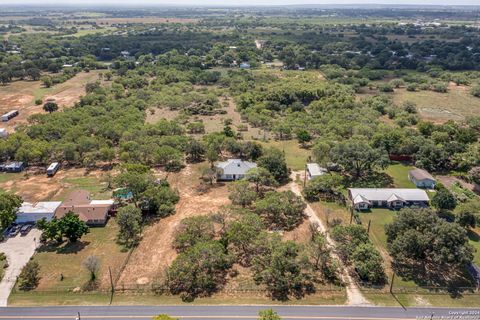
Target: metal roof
[39, 207]
[235, 166]
[315, 169]
[420, 174]
[389, 194]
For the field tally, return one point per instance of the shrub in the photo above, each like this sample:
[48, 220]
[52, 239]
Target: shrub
[29, 277]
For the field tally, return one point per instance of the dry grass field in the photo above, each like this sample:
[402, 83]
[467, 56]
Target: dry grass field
[21, 95]
[456, 104]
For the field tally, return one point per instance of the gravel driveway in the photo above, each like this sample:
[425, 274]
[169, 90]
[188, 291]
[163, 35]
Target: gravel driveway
[18, 251]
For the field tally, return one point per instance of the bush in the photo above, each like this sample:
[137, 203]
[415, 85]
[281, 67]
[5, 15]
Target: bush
[29, 277]
[38, 102]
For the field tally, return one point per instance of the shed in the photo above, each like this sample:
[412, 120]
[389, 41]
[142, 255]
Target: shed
[422, 178]
[314, 170]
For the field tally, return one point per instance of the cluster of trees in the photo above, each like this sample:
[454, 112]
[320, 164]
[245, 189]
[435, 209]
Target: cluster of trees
[9, 204]
[426, 248]
[355, 248]
[209, 246]
[69, 226]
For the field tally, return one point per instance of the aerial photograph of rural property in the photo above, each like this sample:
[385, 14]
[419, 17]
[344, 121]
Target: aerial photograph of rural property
[236, 160]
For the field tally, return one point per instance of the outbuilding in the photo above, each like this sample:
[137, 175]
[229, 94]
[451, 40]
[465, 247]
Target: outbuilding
[422, 178]
[314, 170]
[31, 213]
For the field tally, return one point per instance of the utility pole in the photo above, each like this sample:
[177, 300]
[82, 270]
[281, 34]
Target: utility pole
[351, 215]
[78, 316]
[391, 282]
[368, 228]
[112, 285]
[305, 177]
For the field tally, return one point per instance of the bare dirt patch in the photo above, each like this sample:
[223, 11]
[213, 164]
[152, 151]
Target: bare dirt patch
[21, 95]
[155, 252]
[34, 187]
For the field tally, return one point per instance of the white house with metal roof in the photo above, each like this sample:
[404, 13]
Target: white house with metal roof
[314, 170]
[366, 198]
[31, 213]
[233, 169]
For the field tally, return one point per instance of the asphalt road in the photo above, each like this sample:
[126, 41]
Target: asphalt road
[239, 312]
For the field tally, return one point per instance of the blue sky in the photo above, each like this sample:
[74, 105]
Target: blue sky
[238, 2]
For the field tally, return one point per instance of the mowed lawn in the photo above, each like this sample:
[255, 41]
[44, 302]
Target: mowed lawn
[474, 236]
[456, 104]
[295, 156]
[67, 260]
[399, 174]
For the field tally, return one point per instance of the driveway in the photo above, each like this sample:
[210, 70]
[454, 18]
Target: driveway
[18, 250]
[354, 294]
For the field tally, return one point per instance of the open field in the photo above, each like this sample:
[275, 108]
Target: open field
[67, 260]
[456, 104]
[39, 187]
[140, 20]
[21, 95]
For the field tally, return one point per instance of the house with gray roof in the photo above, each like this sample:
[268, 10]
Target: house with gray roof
[422, 178]
[233, 169]
[394, 198]
[314, 170]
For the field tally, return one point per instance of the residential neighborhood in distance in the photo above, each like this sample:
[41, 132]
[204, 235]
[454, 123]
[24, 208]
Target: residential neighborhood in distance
[276, 160]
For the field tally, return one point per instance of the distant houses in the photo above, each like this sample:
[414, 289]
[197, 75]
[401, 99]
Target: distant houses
[233, 169]
[422, 179]
[314, 170]
[394, 198]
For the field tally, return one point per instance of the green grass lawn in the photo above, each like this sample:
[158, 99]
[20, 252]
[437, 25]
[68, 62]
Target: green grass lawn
[295, 156]
[474, 236]
[67, 260]
[399, 173]
[93, 184]
[336, 297]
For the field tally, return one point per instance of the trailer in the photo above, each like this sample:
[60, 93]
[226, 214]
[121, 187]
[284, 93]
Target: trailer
[9, 115]
[52, 169]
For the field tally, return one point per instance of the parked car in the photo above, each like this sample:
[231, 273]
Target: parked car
[25, 229]
[14, 231]
[6, 232]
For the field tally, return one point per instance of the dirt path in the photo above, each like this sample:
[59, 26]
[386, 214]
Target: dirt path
[155, 252]
[354, 295]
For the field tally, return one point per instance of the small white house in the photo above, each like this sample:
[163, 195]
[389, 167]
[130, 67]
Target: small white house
[422, 179]
[233, 169]
[31, 213]
[314, 170]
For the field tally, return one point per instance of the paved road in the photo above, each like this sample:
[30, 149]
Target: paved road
[18, 251]
[238, 312]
